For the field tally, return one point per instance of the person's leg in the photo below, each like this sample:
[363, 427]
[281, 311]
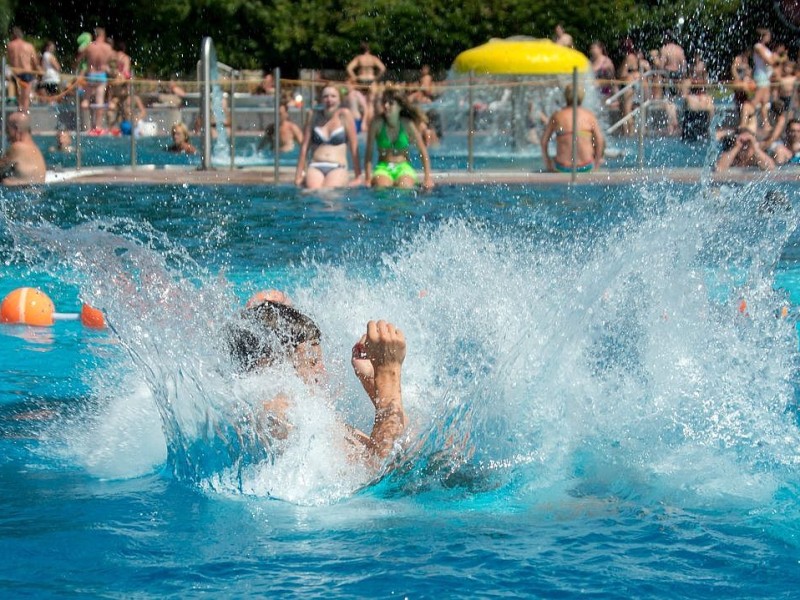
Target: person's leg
[337, 178]
[314, 178]
[24, 97]
[99, 103]
[382, 176]
[404, 176]
[627, 107]
[405, 182]
[380, 181]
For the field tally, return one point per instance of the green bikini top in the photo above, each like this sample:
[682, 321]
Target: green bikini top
[400, 144]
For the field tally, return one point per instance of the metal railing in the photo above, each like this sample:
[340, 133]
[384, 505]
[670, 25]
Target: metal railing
[639, 111]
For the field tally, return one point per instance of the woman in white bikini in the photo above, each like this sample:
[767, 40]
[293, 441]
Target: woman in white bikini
[330, 132]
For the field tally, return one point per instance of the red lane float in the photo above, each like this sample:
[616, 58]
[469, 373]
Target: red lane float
[92, 317]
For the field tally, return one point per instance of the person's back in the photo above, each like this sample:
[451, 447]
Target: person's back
[99, 54]
[21, 54]
[585, 139]
[589, 140]
[22, 58]
[366, 68]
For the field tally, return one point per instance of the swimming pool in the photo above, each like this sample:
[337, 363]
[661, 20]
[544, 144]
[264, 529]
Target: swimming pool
[622, 153]
[594, 411]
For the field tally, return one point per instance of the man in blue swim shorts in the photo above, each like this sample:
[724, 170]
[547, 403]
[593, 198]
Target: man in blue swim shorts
[98, 55]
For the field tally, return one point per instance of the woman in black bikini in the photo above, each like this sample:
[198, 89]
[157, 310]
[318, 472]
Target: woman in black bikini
[629, 73]
[330, 132]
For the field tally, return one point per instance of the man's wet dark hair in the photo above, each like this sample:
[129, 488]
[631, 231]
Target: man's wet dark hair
[727, 142]
[268, 332]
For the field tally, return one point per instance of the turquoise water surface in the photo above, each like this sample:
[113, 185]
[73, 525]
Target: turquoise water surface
[592, 412]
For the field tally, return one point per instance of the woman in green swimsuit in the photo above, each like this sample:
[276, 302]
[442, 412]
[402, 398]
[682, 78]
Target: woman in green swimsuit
[393, 132]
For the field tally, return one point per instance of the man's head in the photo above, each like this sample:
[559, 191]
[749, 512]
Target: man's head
[269, 332]
[18, 126]
[16, 33]
[747, 142]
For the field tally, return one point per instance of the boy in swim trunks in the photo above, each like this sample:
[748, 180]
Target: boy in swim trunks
[590, 143]
[271, 331]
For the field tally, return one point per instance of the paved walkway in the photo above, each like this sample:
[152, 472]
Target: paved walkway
[149, 174]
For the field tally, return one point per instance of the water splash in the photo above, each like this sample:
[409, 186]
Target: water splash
[608, 360]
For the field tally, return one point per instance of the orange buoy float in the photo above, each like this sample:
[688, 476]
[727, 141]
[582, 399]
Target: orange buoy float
[92, 317]
[743, 307]
[27, 306]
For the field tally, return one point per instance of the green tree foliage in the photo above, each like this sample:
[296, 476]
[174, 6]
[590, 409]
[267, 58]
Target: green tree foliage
[164, 37]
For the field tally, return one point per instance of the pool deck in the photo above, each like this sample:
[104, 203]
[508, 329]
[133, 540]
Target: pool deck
[149, 174]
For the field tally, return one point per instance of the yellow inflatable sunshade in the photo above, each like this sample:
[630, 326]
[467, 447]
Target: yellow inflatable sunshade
[521, 56]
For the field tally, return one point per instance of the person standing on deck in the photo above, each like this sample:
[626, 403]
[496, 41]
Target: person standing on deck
[24, 62]
[366, 68]
[98, 55]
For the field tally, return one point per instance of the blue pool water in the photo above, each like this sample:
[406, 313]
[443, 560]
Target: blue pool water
[452, 154]
[591, 412]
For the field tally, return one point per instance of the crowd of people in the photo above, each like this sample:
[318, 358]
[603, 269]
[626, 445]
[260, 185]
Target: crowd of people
[763, 81]
[393, 117]
[101, 70]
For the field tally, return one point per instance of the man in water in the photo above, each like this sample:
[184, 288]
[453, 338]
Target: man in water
[271, 331]
[590, 143]
[98, 55]
[24, 62]
[743, 150]
[23, 162]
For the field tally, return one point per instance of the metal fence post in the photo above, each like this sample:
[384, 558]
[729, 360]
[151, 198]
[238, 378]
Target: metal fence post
[574, 157]
[78, 151]
[133, 129]
[233, 120]
[470, 126]
[276, 142]
[3, 108]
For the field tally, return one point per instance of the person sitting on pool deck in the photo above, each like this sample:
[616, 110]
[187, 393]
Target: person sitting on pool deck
[590, 141]
[330, 135]
[22, 162]
[393, 132]
[743, 151]
[271, 331]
